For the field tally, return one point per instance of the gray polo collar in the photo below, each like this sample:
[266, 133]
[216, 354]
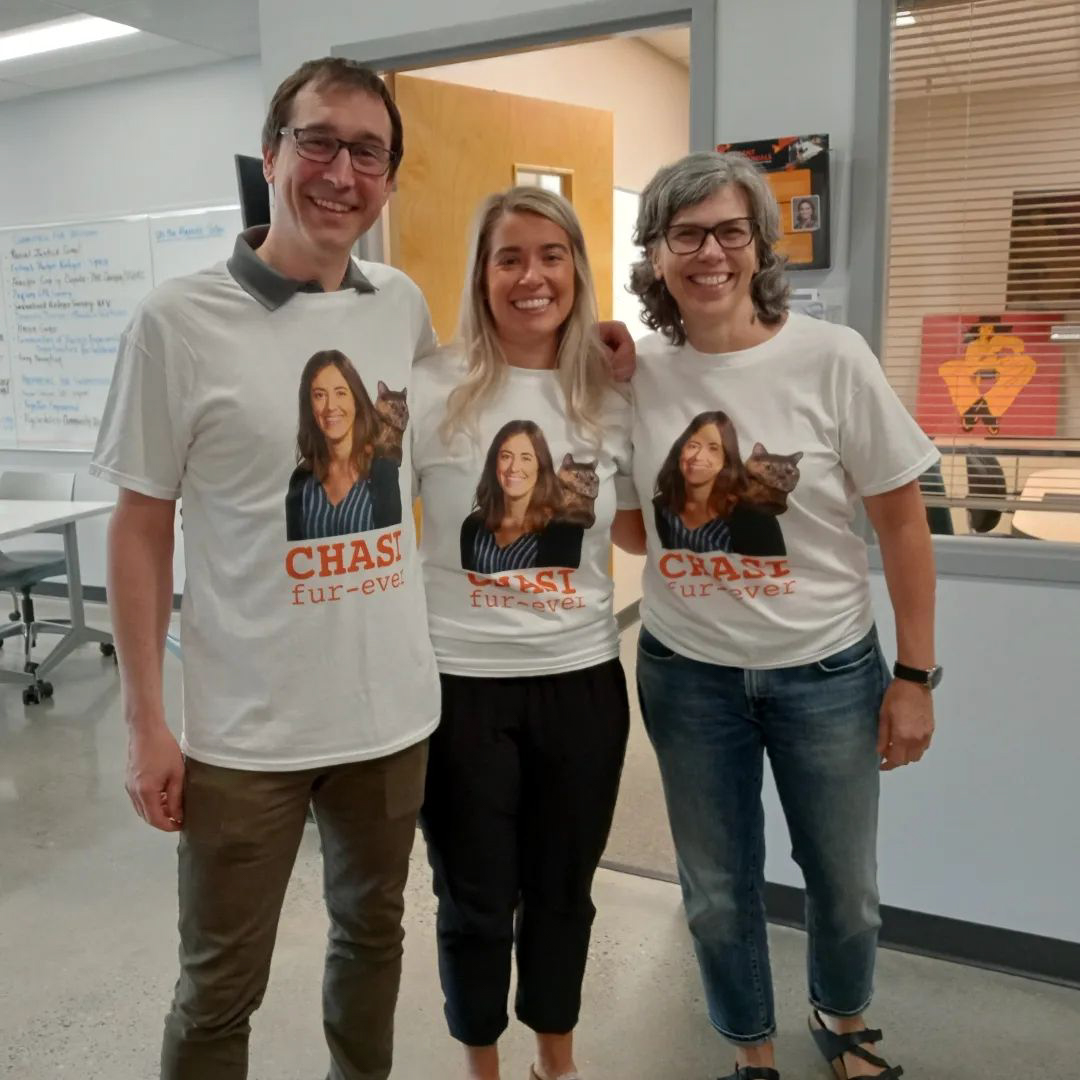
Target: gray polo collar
[270, 287]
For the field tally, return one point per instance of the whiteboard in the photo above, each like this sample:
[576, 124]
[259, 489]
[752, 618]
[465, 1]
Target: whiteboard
[7, 409]
[183, 243]
[66, 294]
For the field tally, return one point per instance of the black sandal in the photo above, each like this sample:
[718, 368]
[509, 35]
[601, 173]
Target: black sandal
[833, 1048]
[752, 1072]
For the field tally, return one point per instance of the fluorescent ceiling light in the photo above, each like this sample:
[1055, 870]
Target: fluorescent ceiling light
[905, 18]
[60, 34]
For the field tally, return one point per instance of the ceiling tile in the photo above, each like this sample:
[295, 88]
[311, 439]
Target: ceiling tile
[148, 62]
[27, 68]
[17, 14]
[209, 23]
[175, 34]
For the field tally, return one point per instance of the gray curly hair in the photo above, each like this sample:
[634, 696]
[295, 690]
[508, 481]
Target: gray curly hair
[686, 183]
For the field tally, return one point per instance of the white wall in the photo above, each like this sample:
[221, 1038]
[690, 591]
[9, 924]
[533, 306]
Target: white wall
[157, 142]
[154, 143]
[648, 93]
[985, 827]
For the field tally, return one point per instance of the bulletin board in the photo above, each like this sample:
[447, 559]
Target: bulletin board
[797, 168]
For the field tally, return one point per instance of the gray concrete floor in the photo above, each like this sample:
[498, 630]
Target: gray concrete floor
[88, 942]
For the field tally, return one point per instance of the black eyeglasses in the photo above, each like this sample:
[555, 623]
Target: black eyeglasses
[731, 235]
[371, 159]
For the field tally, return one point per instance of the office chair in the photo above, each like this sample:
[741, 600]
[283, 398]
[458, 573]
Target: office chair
[21, 570]
[986, 478]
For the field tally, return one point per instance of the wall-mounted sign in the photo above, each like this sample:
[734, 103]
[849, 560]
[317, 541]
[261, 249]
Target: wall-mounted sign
[797, 168]
[989, 375]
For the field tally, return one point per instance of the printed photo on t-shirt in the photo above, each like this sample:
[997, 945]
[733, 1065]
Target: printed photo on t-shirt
[525, 511]
[348, 453]
[709, 499]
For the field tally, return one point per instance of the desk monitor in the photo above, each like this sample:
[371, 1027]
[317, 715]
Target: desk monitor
[254, 191]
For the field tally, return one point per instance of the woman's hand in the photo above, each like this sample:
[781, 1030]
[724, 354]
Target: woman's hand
[906, 725]
[907, 557]
[623, 355]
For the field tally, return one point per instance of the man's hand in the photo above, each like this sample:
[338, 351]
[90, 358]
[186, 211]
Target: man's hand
[155, 778]
[140, 601]
[623, 356]
[906, 725]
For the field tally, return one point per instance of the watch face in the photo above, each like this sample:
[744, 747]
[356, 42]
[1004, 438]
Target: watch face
[933, 676]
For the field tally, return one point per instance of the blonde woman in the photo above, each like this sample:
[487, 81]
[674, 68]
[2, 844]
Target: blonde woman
[520, 434]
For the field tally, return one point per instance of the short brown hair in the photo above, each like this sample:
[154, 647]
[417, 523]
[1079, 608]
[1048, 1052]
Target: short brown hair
[338, 72]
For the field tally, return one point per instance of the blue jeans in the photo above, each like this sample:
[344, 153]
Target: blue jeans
[711, 727]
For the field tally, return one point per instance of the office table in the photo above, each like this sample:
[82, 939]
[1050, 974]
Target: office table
[19, 517]
[1059, 488]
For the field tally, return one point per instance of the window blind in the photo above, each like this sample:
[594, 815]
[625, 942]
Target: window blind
[982, 330]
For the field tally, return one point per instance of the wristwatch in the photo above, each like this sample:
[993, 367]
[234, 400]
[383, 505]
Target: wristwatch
[928, 677]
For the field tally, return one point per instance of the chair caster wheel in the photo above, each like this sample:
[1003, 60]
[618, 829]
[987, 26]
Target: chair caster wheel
[107, 648]
[37, 692]
[30, 667]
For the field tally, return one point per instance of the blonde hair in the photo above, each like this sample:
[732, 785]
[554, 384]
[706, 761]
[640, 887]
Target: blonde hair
[581, 361]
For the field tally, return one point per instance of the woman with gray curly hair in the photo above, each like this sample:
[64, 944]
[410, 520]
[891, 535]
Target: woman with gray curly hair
[757, 631]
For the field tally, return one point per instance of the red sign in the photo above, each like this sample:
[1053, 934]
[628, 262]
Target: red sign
[989, 375]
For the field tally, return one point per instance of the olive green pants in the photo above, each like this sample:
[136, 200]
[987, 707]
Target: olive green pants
[240, 838]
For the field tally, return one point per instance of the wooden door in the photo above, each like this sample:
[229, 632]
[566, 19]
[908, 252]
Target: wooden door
[462, 144]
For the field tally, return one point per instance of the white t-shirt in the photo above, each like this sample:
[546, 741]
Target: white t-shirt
[539, 603]
[776, 576]
[297, 652]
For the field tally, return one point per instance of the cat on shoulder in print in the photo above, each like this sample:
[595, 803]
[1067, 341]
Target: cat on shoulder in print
[393, 419]
[580, 486]
[770, 478]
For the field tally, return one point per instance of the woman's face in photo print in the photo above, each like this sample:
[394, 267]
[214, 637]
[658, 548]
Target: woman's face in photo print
[702, 456]
[332, 404]
[516, 467]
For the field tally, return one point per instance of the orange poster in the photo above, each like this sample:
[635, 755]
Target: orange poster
[989, 375]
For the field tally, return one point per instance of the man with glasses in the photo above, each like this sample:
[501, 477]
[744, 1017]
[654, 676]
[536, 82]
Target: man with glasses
[308, 674]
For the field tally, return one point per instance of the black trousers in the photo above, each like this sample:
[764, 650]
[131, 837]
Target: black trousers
[522, 779]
